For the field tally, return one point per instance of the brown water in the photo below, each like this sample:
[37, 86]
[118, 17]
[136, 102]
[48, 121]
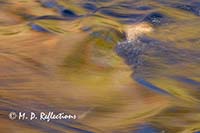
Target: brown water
[123, 66]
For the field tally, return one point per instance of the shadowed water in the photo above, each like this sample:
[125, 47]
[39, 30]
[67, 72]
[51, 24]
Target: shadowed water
[122, 66]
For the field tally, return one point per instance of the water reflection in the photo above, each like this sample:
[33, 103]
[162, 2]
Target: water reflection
[121, 66]
[147, 129]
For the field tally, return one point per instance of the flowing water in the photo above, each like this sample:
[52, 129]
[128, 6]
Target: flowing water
[122, 66]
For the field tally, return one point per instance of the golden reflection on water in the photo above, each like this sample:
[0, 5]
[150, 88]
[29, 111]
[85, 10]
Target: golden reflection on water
[71, 66]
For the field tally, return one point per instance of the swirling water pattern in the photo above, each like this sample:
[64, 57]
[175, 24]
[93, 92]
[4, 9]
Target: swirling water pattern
[123, 66]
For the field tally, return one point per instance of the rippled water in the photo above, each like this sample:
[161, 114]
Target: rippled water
[123, 66]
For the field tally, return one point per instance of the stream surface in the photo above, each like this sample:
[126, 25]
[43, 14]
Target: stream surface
[121, 66]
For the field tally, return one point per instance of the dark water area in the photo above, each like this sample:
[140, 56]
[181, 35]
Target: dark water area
[121, 66]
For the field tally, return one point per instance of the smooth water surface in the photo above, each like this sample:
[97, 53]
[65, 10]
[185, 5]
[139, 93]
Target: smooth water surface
[122, 66]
